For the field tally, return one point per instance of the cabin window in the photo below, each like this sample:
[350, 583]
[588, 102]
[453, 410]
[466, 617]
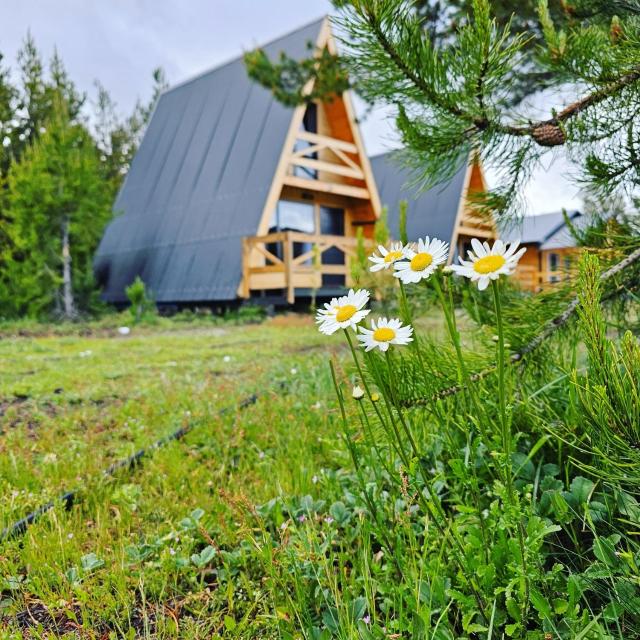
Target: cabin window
[310, 125]
[331, 221]
[293, 216]
[554, 261]
[310, 118]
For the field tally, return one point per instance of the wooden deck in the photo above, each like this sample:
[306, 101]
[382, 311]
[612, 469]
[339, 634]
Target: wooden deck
[289, 260]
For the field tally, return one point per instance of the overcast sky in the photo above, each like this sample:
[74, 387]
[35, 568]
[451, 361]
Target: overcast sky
[120, 42]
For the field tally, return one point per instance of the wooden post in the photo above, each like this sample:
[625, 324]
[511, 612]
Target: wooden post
[288, 257]
[245, 268]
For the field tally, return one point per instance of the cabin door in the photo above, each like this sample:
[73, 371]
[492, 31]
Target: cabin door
[332, 224]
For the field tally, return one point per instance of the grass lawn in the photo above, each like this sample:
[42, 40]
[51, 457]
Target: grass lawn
[125, 560]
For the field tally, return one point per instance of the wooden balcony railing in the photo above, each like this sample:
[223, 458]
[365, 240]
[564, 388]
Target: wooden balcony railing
[269, 262]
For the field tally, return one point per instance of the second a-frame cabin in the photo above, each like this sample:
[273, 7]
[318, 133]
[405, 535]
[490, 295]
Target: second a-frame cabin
[233, 195]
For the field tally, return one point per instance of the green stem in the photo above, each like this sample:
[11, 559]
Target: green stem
[399, 449]
[392, 386]
[451, 326]
[502, 402]
[464, 379]
[505, 425]
[363, 486]
[433, 506]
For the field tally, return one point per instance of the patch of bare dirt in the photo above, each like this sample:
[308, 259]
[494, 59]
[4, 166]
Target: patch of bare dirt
[37, 615]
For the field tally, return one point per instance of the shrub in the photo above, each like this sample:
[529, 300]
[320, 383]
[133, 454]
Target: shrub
[142, 305]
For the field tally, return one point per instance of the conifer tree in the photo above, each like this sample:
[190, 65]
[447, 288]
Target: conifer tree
[38, 93]
[57, 207]
[8, 95]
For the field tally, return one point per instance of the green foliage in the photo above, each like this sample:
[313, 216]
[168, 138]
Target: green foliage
[57, 183]
[335, 548]
[359, 265]
[402, 220]
[54, 173]
[289, 80]
[381, 233]
[456, 72]
[142, 305]
[609, 394]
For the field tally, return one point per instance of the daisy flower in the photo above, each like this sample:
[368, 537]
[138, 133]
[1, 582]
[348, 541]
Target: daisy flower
[420, 264]
[343, 312]
[487, 263]
[387, 256]
[384, 333]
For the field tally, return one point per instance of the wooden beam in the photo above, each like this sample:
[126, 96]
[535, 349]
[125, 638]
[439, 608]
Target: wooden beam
[374, 197]
[244, 285]
[300, 153]
[475, 232]
[346, 159]
[470, 220]
[327, 141]
[260, 248]
[453, 242]
[328, 167]
[328, 187]
[283, 164]
[288, 280]
[269, 268]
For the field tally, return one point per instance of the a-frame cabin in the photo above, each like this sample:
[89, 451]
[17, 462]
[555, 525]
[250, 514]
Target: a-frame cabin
[233, 195]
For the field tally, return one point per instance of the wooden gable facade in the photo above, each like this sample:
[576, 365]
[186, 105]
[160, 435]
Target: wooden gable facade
[322, 191]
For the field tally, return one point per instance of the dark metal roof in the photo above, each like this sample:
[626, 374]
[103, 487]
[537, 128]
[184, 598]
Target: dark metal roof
[539, 229]
[429, 213]
[198, 184]
[563, 238]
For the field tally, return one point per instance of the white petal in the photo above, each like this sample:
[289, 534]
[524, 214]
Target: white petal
[478, 249]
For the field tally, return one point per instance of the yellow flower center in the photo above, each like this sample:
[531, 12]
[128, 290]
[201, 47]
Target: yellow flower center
[345, 313]
[421, 261]
[384, 334]
[392, 256]
[488, 264]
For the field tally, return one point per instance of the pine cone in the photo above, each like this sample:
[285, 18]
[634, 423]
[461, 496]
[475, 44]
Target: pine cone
[548, 135]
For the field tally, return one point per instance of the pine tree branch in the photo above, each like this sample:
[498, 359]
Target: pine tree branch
[540, 131]
[406, 70]
[546, 133]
